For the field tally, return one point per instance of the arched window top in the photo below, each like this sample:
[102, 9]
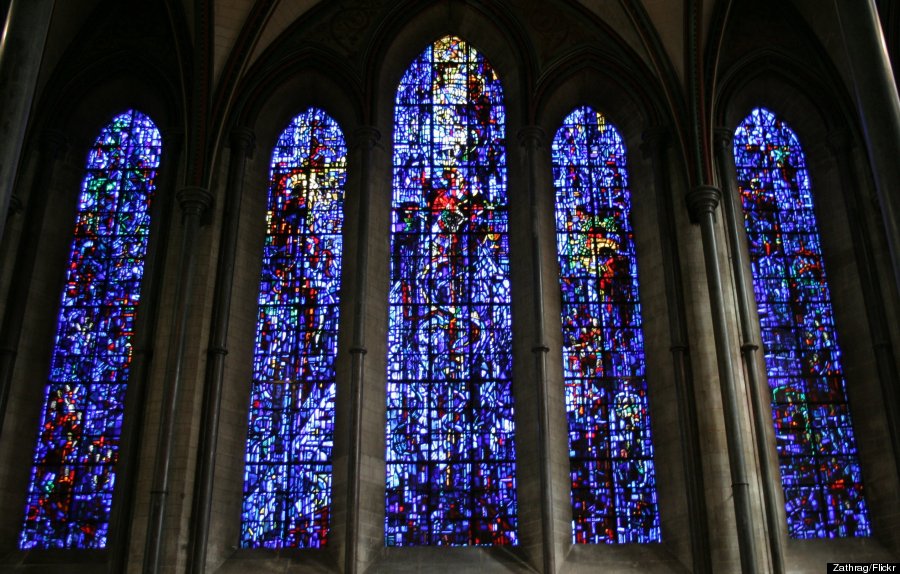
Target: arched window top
[610, 448]
[450, 121]
[130, 140]
[817, 453]
[450, 426]
[313, 140]
[452, 72]
[287, 478]
[70, 494]
[767, 138]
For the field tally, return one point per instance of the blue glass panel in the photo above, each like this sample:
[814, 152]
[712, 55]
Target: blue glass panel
[450, 431]
[610, 449]
[287, 479]
[74, 465]
[814, 437]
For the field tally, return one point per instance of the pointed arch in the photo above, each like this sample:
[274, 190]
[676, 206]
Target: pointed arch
[74, 471]
[820, 470]
[287, 478]
[610, 447]
[450, 430]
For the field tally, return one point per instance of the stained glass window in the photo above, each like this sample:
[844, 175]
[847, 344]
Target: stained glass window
[450, 444]
[820, 471]
[610, 450]
[74, 466]
[287, 478]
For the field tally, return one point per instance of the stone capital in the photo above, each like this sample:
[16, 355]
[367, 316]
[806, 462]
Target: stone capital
[701, 200]
[242, 141]
[723, 138]
[194, 200]
[531, 137]
[366, 136]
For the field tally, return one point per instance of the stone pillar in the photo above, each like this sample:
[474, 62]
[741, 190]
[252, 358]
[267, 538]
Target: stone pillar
[702, 202]
[51, 146]
[194, 201]
[366, 139]
[750, 344]
[532, 139]
[21, 49]
[656, 146]
[879, 110]
[241, 147]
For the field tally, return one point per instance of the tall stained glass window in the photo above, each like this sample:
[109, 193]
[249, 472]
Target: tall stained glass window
[287, 478]
[610, 451]
[450, 444]
[73, 472]
[820, 471]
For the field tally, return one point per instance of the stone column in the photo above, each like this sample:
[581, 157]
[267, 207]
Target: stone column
[656, 146]
[194, 202]
[879, 109]
[241, 147]
[750, 344]
[366, 139]
[702, 202]
[51, 146]
[532, 139]
[21, 50]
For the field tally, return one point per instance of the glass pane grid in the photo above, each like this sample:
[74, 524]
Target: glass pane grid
[73, 478]
[814, 435]
[450, 432]
[287, 480]
[610, 450]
